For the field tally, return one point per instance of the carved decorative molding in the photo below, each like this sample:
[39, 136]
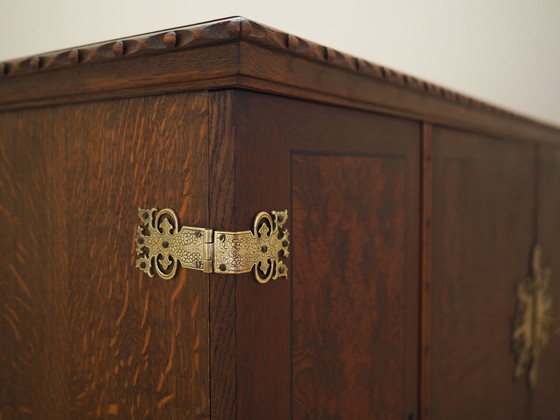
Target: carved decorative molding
[193, 36]
[230, 30]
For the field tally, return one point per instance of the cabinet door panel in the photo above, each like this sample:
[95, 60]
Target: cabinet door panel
[339, 338]
[83, 333]
[483, 198]
[348, 312]
[545, 402]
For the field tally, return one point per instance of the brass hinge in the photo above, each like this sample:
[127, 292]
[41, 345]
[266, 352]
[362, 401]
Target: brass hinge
[162, 244]
[533, 320]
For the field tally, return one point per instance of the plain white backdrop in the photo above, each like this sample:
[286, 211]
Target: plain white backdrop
[506, 52]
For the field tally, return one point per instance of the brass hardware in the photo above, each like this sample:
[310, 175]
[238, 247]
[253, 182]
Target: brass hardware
[533, 320]
[162, 244]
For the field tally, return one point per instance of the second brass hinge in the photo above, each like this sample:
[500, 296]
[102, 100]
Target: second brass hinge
[533, 322]
[162, 244]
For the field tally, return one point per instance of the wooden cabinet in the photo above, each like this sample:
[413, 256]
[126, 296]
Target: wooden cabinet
[413, 215]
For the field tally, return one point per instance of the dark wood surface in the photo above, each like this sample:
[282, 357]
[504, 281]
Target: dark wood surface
[426, 217]
[544, 400]
[375, 88]
[237, 52]
[83, 333]
[304, 345]
[349, 290]
[483, 209]
[221, 207]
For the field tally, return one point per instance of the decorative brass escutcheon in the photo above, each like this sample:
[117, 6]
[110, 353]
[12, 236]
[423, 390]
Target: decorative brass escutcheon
[162, 244]
[533, 320]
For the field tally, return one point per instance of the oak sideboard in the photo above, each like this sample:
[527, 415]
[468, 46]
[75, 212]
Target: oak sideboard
[227, 221]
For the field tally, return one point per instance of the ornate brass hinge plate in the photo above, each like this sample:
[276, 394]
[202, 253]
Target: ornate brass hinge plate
[533, 321]
[162, 244]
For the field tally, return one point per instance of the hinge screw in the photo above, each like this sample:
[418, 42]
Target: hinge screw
[222, 237]
[222, 267]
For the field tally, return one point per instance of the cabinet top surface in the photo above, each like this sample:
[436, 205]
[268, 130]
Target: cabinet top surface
[238, 53]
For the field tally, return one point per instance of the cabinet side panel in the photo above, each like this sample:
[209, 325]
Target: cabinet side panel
[85, 334]
[349, 287]
[482, 236]
[545, 402]
[338, 339]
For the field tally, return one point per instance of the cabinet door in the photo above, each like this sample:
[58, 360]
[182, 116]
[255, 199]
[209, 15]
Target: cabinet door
[339, 338]
[83, 333]
[483, 200]
[545, 402]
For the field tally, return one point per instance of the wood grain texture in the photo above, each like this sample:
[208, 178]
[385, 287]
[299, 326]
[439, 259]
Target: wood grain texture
[544, 400]
[84, 334]
[236, 52]
[270, 131]
[483, 192]
[221, 205]
[349, 290]
[185, 70]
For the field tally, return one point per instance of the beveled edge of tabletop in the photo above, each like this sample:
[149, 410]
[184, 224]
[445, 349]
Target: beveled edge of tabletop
[239, 53]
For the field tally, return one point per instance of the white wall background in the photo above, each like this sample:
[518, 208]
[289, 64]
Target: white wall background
[506, 52]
